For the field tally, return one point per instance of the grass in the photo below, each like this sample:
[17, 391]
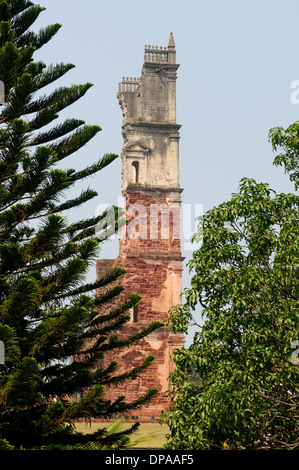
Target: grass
[154, 433]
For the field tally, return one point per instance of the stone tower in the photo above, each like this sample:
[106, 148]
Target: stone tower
[149, 245]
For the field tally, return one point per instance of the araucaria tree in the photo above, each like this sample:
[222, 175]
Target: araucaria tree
[48, 312]
[236, 387]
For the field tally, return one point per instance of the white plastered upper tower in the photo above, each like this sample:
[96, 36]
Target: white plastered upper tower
[151, 135]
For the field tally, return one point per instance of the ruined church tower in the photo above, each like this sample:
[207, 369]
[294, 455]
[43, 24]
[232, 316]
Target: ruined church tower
[149, 245]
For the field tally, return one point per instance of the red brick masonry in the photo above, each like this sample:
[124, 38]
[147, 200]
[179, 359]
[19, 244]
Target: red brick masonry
[151, 257]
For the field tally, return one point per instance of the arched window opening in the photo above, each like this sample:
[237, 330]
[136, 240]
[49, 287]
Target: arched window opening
[135, 172]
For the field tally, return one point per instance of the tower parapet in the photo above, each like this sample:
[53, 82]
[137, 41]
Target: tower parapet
[128, 84]
[154, 54]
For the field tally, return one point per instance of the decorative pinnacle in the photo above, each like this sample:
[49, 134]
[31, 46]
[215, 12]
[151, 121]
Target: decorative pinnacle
[171, 43]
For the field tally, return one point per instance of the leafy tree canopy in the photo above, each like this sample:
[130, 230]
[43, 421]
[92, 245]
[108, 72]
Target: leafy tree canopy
[236, 387]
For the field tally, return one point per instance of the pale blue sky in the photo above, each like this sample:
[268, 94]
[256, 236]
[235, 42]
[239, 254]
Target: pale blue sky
[237, 61]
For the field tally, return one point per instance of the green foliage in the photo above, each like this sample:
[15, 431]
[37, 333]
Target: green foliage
[236, 386]
[4, 445]
[54, 337]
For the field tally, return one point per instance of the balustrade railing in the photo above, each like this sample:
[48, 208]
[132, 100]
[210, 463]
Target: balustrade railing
[154, 54]
[128, 84]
